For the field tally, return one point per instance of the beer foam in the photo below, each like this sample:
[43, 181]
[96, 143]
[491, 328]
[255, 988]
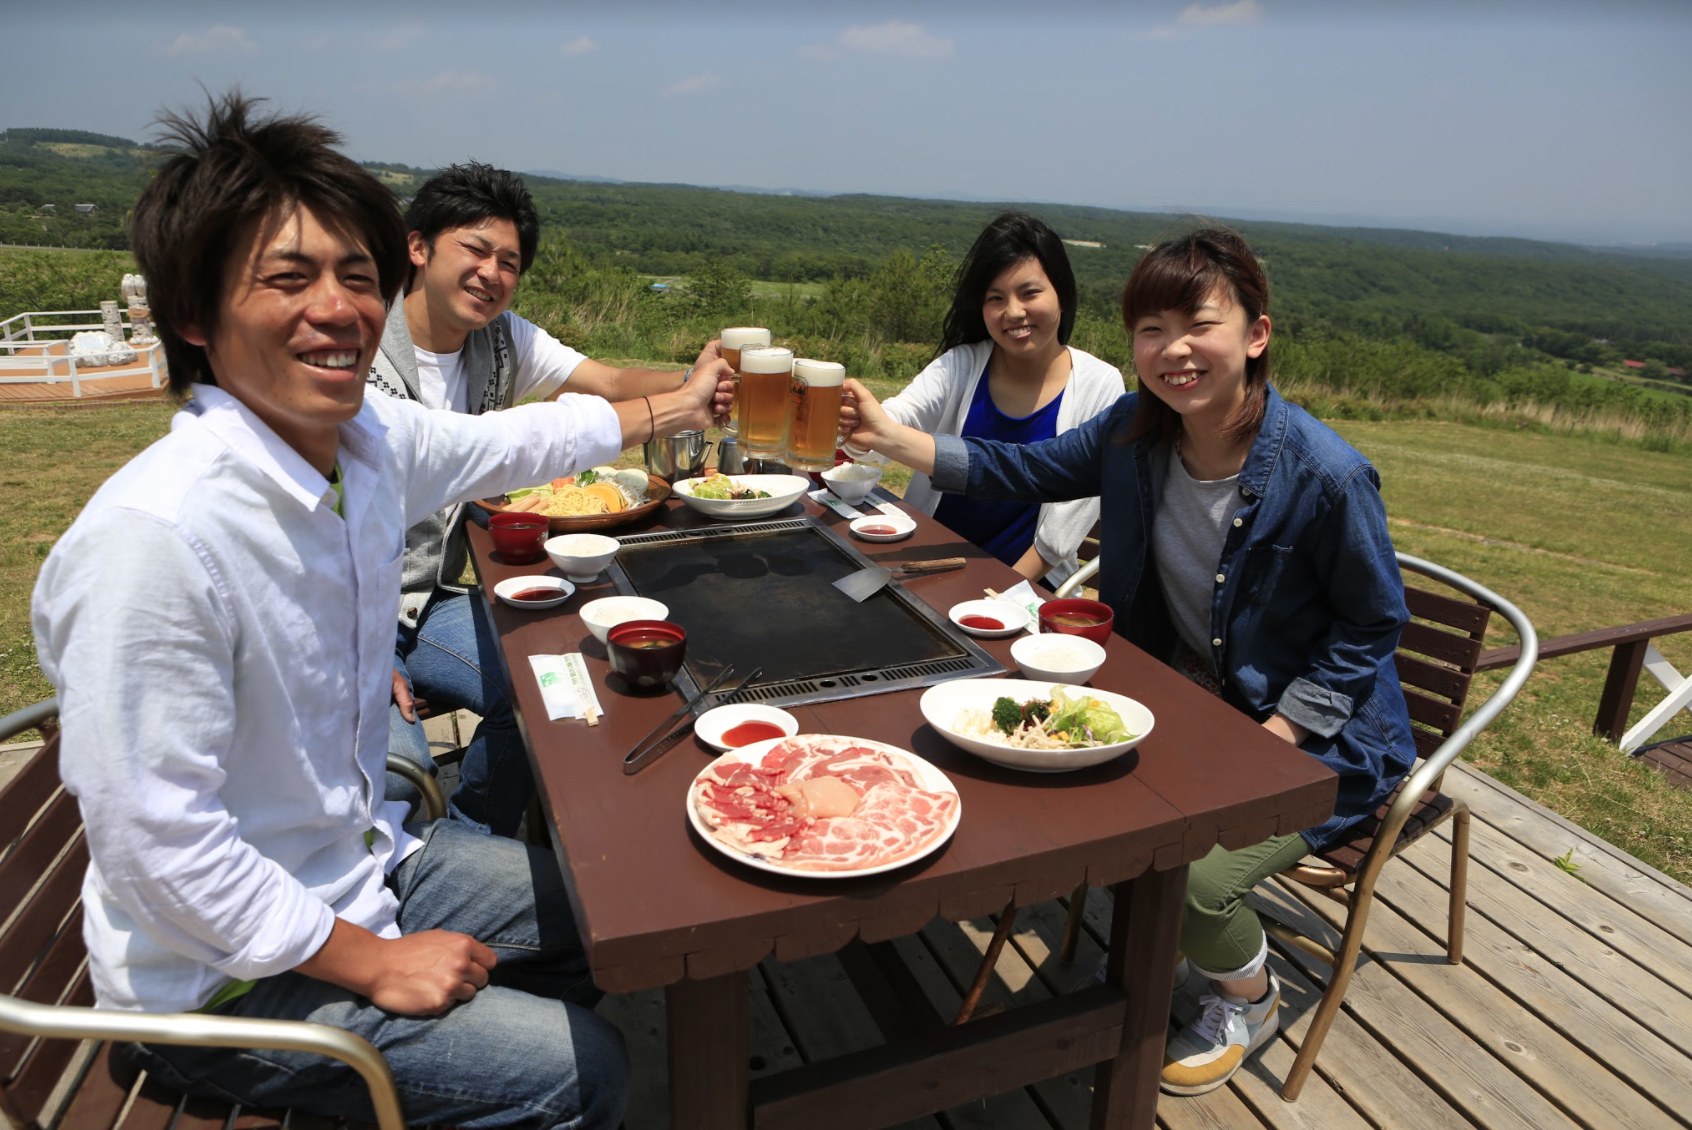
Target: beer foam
[742, 337]
[766, 359]
[819, 374]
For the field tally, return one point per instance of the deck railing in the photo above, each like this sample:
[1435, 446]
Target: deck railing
[1631, 652]
[26, 358]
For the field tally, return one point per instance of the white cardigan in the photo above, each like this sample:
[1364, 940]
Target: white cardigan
[937, 401]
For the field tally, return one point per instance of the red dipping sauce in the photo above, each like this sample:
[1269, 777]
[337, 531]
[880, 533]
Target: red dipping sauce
[752, 731]
[981, 623]
[537, 594]
[878, 531]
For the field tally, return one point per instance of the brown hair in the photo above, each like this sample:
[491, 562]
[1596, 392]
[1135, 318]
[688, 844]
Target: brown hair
[1179, 274]
[230, 172]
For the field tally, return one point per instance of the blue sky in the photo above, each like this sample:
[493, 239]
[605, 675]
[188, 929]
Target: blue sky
[1547, 119]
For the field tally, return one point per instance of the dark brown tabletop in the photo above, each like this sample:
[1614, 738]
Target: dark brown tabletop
[659, 908]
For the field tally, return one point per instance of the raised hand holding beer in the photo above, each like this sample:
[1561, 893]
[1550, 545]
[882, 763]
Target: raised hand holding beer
[867, 427]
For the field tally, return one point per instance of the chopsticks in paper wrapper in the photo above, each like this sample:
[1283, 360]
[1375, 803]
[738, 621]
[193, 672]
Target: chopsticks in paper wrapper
[565, 687]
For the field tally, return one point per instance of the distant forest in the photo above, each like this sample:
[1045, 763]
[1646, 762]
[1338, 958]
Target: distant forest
[1373, 316]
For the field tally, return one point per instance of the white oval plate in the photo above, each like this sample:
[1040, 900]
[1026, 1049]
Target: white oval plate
[511, 586]
[927, 776]
[941, 704]
[902, 527]
[784, 491]
[714, 723]
[1014, 617]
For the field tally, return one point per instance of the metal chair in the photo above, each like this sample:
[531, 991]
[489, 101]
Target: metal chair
[1436, 658]
[44, 976]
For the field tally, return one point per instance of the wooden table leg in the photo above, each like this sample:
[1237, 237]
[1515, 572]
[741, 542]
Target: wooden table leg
[709, 1035]
[1145, 928]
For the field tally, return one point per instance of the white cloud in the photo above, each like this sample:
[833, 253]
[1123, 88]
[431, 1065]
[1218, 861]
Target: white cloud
[221, 38]
[399, 37]
[1239, 12]
[895, 37]
[1212, 15]
[579, 46]
[694, 85]
[444, 81]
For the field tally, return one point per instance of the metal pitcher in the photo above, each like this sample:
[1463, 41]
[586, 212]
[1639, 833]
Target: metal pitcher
[730, 459]
[681, 456]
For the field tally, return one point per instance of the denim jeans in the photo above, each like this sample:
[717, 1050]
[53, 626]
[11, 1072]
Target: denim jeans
[524, 1052]
[452, 659]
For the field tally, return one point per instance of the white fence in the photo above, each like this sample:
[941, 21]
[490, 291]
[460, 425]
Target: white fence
[35, 349]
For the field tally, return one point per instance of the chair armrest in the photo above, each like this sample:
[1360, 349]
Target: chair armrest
[434, 801]
[1440, 759]
[1088, 570]
[196, 1029]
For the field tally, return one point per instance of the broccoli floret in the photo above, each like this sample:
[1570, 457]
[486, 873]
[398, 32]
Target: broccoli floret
[1007, 715]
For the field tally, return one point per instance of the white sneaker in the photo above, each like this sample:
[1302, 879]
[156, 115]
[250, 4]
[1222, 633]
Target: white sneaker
[1209, 1050]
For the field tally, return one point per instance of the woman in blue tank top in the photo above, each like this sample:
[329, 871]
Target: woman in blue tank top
[1004, 370]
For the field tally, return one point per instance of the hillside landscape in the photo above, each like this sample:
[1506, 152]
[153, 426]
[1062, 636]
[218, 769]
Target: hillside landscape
[1378, 318]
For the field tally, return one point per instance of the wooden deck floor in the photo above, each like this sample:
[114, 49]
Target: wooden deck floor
[1573, 1006]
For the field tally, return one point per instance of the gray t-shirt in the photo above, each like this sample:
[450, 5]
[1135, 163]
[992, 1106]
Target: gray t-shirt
[1187, 536]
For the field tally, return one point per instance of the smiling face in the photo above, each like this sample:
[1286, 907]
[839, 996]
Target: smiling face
[1022, 312]
[1195, 363]
[467, 278]
[298, 325]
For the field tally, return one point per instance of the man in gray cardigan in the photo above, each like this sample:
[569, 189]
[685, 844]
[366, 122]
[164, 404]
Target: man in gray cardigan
[472, 233]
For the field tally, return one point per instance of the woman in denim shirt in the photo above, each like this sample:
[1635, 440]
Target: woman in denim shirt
[1244, 543]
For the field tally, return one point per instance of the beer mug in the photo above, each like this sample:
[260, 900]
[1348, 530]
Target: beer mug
[734, 339]
[766, 378]
[815, 414]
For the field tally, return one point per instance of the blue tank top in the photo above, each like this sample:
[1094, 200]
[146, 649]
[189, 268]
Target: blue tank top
[1004, 529]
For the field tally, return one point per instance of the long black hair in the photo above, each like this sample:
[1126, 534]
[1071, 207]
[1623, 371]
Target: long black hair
[1007, 241]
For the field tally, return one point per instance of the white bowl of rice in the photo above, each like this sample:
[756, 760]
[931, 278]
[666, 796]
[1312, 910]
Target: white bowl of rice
[607, 612]
[581, 557]
[961, 711]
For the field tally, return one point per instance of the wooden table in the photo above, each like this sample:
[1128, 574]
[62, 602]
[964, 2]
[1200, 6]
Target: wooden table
[658, 908]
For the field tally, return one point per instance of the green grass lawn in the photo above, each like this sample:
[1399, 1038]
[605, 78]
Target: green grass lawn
[1580, 534]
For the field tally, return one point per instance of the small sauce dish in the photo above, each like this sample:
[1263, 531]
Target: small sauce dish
[534, 593]
[742, 723]
[991, 619]
[882, 527]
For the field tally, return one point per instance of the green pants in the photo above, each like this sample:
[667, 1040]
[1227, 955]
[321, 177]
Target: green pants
[1220, 934]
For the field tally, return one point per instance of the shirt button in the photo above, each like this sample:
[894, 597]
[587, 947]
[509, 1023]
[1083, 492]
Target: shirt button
[1238, 522]
[1221, 578]
[1217, 642]
[1245, 492]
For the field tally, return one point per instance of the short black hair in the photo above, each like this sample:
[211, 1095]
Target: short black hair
[461, 195]
[228, 173]
[1007, 241]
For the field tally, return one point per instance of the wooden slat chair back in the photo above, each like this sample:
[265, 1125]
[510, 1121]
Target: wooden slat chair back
[1436, 660]
[50, 1076]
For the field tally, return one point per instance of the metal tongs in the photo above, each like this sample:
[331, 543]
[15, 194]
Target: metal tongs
[667, 733]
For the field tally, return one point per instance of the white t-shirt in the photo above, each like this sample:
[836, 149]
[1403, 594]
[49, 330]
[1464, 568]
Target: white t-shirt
[543, 364]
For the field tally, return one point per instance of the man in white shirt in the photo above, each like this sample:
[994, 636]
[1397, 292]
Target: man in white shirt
[472, 232]
[218, 622]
